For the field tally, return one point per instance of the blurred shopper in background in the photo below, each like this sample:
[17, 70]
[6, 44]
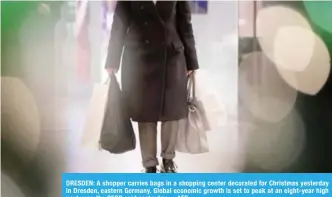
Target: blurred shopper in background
[84, 44]
[159, 53]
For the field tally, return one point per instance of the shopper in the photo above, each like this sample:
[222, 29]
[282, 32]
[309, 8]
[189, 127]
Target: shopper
[159, 52]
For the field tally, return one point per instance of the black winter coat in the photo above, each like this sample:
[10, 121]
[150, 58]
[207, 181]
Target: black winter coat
[156, 46]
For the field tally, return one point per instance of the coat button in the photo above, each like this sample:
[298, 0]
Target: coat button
[147, 41]
[142, 7]
[145, 23]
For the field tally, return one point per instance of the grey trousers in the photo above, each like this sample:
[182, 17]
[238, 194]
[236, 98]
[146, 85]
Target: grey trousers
[148, 141]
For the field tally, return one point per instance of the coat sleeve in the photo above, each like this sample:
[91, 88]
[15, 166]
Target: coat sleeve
[186, 33]
[119, 30]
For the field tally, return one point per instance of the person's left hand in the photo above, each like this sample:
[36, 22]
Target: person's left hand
[189, 72]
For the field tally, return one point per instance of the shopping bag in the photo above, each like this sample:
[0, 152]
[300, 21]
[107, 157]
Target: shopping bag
[192, 136]
[213, 98]
[117, 132]
[95, 116]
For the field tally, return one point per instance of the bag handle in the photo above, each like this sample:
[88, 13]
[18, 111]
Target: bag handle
[192, 86]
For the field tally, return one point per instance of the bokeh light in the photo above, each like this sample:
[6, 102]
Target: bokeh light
[270, 20]
[320, 13]
[287, 39]
[274, 147]
[262, 90]
[293, 48]
[314, 76]
[20, 117]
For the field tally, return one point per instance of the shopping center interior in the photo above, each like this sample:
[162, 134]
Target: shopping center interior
[264, 79]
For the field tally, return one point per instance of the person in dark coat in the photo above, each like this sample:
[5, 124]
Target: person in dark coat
[154, 40]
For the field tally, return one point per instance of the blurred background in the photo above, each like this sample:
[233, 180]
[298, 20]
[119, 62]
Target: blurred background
[264, 78]
[285, 85]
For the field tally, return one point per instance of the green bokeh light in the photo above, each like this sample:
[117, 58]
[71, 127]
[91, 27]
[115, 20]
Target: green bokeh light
[320, 13]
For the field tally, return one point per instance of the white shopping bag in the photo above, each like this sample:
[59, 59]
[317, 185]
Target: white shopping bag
[192, 136]
[95, 116]
[216, 110]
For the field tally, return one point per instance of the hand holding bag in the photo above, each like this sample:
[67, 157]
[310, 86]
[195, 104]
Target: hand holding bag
[192, 130]
[117, 133]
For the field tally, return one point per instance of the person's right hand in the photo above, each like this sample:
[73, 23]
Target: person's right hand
[111, 71]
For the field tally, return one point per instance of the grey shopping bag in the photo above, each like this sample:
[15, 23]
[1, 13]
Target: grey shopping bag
[192, 136]
[117, 133]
